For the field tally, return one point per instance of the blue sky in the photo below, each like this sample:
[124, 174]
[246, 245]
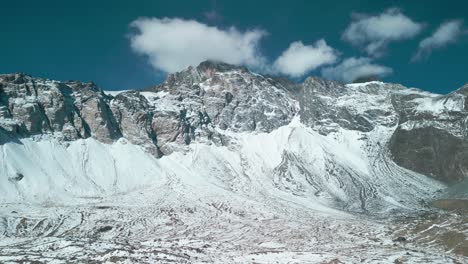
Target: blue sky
[128, 45]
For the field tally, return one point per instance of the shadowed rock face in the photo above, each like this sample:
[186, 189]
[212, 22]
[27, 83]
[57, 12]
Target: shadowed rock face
[432, 152]
[364, 79]
[432, 136]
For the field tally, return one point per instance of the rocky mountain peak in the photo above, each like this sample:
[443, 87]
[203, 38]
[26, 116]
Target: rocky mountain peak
[463, 90]
[323, 86]
[206, 70]
[218, 66]
[16, 78]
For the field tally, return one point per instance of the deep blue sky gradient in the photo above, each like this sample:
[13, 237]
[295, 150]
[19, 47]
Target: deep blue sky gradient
[88, 40]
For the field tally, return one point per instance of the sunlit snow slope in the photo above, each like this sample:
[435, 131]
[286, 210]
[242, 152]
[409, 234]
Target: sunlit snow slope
[292, 163]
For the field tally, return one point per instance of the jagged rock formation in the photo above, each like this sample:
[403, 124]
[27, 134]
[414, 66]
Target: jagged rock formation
[217, 95]
[187, 105]
[72, 110]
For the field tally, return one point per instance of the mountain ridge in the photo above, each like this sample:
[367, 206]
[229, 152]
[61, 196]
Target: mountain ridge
[195, 103]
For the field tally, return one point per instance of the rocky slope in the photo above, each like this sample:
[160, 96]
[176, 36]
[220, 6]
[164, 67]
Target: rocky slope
[217, 143]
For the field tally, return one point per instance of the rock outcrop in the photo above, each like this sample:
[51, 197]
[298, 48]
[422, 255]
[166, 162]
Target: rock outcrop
[69, 110]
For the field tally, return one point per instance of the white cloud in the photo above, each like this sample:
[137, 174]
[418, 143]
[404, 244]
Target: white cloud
[299, 59]
[172, 44]
[353, 68]
[373, 33]
[447, 33]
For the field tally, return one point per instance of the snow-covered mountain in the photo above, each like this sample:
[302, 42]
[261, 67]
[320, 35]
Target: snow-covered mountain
[217, 145]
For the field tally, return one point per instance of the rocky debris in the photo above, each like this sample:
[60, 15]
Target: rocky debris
[437, 228]
[335, 261]
[400, 239]
[16, 178]
[104, 229]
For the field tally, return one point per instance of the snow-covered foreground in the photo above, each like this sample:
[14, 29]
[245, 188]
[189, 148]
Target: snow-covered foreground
[290, 196]
[293, 163]
[152, 230]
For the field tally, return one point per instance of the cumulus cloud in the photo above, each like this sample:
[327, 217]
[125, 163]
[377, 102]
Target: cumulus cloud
[447, 33]
[299, 59]
[172, 44]
[373, 33]
[352, 68]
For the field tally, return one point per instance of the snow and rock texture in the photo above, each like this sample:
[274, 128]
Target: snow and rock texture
[196, 102]
[432, 137]
[429, 132]
[221, 164]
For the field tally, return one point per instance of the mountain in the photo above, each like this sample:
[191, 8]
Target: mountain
[217, 149]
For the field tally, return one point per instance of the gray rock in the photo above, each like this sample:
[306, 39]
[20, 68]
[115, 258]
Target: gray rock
[431, 151]
[71, 110]
[134, 117]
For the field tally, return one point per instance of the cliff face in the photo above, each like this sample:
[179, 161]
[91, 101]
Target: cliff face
[432, 136]
[72, 110]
